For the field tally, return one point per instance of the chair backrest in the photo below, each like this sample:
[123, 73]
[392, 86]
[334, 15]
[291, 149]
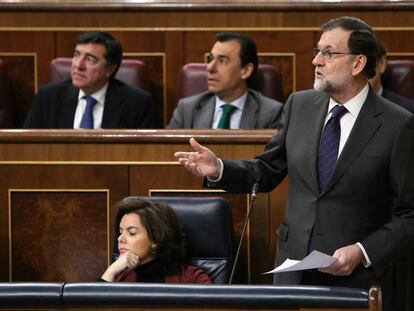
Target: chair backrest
[208, 228]
[131, 71]
[193, 80]
[399, 77]
[6, 110]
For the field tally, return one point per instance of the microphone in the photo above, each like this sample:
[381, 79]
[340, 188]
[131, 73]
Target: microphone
[253, 195]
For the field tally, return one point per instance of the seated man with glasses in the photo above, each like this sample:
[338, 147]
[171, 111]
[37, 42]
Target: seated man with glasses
[229, 103]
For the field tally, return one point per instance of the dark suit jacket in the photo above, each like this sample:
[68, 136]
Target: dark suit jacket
[370, 198]
[399, 99]
[125, 107]
[198, 112]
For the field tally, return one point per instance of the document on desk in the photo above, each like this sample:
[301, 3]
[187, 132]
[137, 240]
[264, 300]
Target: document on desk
[313, 261]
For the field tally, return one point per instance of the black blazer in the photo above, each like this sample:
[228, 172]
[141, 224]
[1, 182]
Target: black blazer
[125, 107]
[370, 198]
[399, 99]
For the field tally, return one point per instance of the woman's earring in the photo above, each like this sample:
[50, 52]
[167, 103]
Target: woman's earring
[153, 250]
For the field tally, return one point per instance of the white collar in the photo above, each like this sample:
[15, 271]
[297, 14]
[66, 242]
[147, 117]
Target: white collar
[99, 95]
[354, 105]
[239, 102]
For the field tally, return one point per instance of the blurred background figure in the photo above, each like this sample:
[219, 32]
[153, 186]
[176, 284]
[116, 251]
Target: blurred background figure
[376, 82]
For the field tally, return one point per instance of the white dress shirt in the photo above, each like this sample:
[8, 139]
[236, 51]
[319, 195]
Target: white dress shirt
[97, 108]
[235, 116]
[347, 121]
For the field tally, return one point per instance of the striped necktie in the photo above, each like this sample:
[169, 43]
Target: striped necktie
[329, 146]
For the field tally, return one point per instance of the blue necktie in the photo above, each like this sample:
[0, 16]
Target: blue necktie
[224, 122]
[87, 118]
[329, 146]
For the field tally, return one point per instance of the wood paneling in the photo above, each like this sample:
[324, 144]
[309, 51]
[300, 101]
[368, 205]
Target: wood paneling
[58, 235]
[49, 188]
[20, 70]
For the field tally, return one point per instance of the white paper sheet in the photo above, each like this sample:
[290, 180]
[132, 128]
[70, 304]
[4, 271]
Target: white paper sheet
[313, 261]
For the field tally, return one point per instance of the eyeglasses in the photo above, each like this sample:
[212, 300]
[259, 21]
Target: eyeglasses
[326, 54]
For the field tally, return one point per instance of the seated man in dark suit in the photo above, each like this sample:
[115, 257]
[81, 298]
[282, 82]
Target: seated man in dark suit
[377, 85]
[229, 103]
[93, 98]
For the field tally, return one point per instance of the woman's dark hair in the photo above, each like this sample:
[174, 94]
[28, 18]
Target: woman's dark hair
[113, 49]
[163, 229]
[362, 40]
[248, 51]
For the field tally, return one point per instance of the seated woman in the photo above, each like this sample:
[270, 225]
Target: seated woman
[151, 246]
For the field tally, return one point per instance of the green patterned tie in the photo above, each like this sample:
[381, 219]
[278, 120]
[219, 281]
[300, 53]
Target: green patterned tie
[224, 122]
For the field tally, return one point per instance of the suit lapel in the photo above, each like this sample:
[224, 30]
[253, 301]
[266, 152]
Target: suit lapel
[68, 104]
[249, 115]
[113, 106]
[362, 132]
[204, 113]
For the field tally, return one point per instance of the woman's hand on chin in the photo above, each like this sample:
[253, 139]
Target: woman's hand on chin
[126, 261]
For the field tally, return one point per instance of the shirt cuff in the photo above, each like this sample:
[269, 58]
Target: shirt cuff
[221, 172]
[366, 262]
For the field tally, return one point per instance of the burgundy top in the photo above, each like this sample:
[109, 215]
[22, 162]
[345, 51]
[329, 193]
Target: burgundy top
[151, 272]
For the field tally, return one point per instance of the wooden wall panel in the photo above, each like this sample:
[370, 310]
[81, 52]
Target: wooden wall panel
[175, 61]
[155, 66]
[149, 46]
[25, 55]
[21, 71]
[65, 178]
[403, 43]
[98, 17]
[299, 75]
[58, 235]
[285, 63]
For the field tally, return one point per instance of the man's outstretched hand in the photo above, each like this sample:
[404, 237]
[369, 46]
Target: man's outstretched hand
[201, 162]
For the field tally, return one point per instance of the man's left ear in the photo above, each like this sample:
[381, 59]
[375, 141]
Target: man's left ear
[359, 64]
[247, 71]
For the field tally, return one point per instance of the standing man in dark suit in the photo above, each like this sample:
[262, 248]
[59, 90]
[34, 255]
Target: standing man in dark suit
[404, 262]
[232, 64]
[353, 200]
[93, 98]
[376, 82]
